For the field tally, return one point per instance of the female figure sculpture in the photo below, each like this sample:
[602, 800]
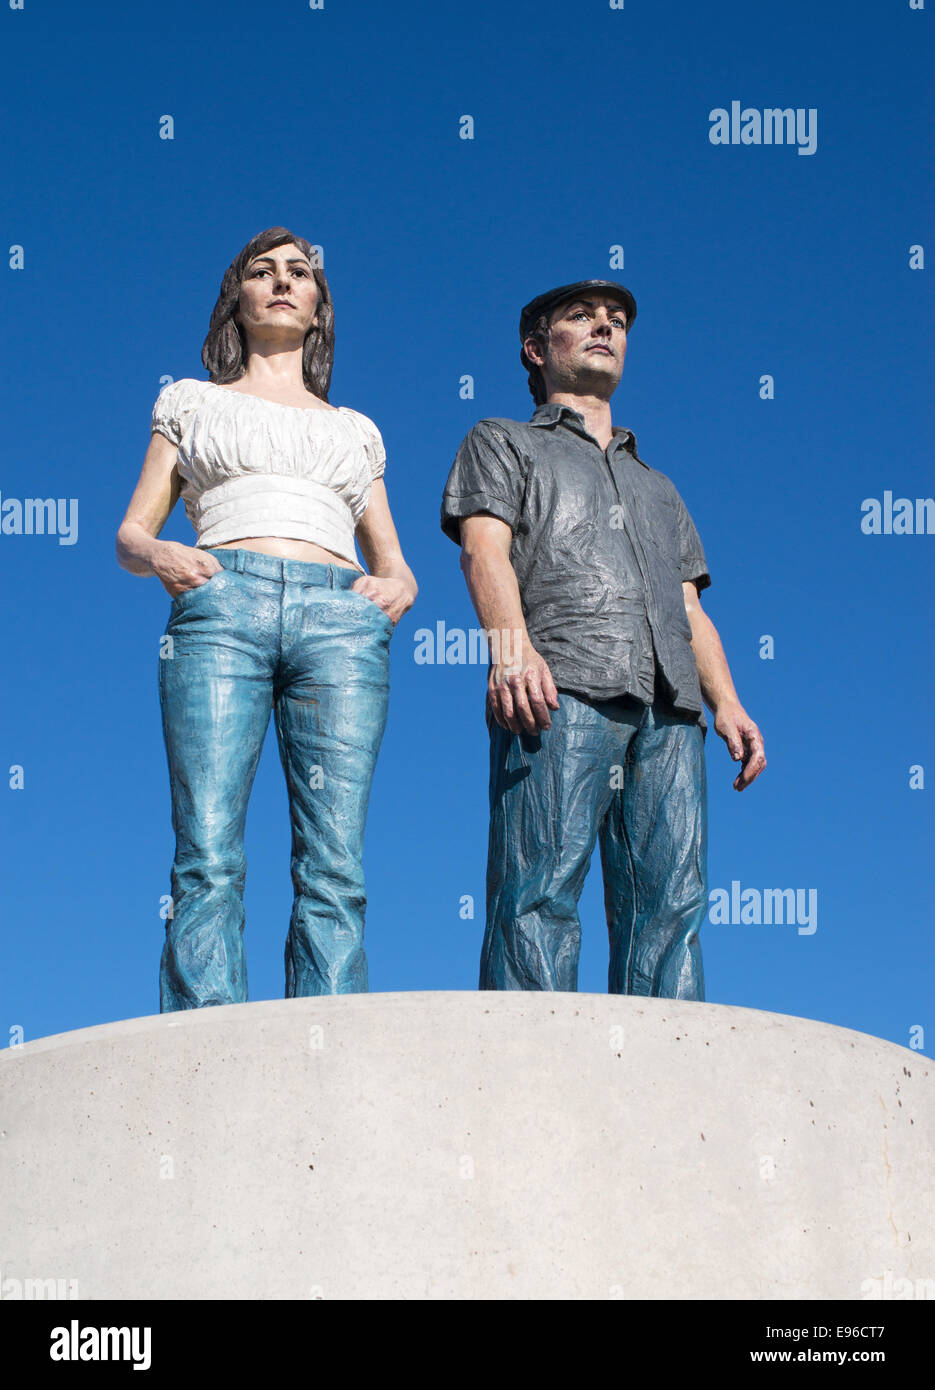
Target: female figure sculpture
[271, 611]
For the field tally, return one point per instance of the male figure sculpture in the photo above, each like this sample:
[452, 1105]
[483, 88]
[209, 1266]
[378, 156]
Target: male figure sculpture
[589, 556]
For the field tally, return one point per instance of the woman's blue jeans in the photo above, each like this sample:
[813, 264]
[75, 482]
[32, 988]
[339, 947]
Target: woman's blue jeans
[289, 636]
[631, 777]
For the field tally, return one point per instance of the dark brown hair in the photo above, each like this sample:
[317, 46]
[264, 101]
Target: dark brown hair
[224, 349]
[540, 333]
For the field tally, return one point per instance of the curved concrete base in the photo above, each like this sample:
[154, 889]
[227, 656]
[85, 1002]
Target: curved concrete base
[468, 1145]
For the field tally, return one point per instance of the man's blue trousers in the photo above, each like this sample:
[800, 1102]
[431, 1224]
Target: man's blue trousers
[633, 777]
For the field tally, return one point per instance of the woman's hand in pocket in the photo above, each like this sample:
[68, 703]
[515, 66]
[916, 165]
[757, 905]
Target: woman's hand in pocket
[180, 567]
[395, 596]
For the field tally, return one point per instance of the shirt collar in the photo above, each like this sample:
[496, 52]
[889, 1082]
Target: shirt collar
[550, 412]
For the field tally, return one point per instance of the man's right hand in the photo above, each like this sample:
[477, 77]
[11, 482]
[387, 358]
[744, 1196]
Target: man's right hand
[520, 694]
[180, 567]
[520, 688]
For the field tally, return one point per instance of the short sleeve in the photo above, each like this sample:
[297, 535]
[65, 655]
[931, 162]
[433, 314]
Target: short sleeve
[692, 556]
[376, 453]
[486, 476]
[170, 410]
[372, 441]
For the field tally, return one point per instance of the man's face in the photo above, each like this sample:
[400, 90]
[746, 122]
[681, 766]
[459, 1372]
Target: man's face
[586, 348]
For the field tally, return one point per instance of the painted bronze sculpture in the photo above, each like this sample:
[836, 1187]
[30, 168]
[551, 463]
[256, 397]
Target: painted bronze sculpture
[595, 708]
[271, 613]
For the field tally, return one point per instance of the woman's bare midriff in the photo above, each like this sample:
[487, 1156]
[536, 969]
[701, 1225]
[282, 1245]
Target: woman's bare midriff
[286, 549]
[281, 546]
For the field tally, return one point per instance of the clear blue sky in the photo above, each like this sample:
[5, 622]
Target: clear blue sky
[591, 130]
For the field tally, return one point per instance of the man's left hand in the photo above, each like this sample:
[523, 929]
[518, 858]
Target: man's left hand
[744, 742]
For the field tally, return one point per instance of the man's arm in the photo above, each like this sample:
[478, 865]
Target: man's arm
[731, 721]
[520, 689]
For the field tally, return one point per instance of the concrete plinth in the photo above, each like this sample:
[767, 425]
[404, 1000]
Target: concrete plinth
[468, 1145]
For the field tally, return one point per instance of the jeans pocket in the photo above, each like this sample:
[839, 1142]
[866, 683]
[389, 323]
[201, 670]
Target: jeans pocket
[179, 600]
[387, 620]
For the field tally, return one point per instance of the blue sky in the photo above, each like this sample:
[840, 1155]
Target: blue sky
[591, 130]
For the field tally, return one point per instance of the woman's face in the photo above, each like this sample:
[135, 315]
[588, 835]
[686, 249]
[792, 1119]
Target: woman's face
[278, 296]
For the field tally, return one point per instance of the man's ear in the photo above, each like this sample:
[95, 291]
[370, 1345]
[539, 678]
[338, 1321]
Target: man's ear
[533, 351]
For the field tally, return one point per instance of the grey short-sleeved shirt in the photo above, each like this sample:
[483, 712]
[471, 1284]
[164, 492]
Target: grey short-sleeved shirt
[601, 546]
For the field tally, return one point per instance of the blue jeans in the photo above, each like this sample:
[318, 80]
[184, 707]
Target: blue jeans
[632, 776]
[289, 636]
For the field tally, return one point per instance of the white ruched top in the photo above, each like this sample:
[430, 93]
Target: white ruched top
[253, 467]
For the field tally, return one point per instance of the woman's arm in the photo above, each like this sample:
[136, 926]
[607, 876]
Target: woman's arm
[177, 566]
[390, 583]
